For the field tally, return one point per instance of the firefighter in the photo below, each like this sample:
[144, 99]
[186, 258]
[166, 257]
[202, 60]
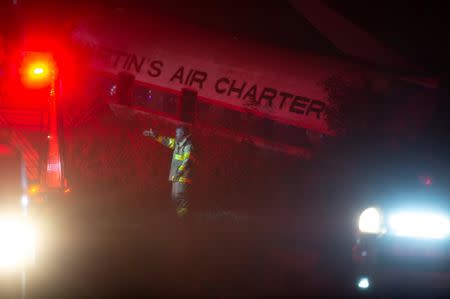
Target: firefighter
[181, 166]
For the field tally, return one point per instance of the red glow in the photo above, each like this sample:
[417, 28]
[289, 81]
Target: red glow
[34, 65]
[37, 70]
[6, 150]
[426, 180]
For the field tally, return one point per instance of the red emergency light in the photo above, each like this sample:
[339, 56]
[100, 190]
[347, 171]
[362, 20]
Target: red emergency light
[38, 70]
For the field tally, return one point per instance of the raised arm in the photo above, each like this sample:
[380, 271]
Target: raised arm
[166, 141]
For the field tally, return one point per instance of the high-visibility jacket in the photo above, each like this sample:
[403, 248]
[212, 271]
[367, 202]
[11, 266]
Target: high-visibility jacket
[181, 165]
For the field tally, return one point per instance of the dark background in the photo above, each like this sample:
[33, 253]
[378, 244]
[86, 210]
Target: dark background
[416, 30]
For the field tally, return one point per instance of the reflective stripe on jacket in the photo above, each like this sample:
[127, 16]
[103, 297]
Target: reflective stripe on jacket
[181, 166]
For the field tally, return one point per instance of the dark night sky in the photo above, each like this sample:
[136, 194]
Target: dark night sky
[416, 30]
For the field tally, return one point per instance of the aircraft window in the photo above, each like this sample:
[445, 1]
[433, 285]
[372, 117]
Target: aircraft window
[155, 99]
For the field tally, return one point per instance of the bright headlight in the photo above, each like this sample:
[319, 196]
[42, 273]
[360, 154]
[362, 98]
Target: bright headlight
[419, 225]
[370, 221]
[17, 242]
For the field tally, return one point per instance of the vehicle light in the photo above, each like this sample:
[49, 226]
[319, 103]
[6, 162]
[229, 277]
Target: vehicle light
[24, 201]
[363, 283]
[37, 69]
[370, 221]
[17, 243]
[419, 225]
[34, 189]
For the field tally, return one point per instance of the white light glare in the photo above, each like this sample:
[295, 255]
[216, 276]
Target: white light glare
[363, 283]
[24, 201]
[38, 71]
[420, 225]
[17, 243]
[370, 221]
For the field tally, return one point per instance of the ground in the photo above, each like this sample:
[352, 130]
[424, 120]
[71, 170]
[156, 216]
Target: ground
[92, 252]
[214, 254]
